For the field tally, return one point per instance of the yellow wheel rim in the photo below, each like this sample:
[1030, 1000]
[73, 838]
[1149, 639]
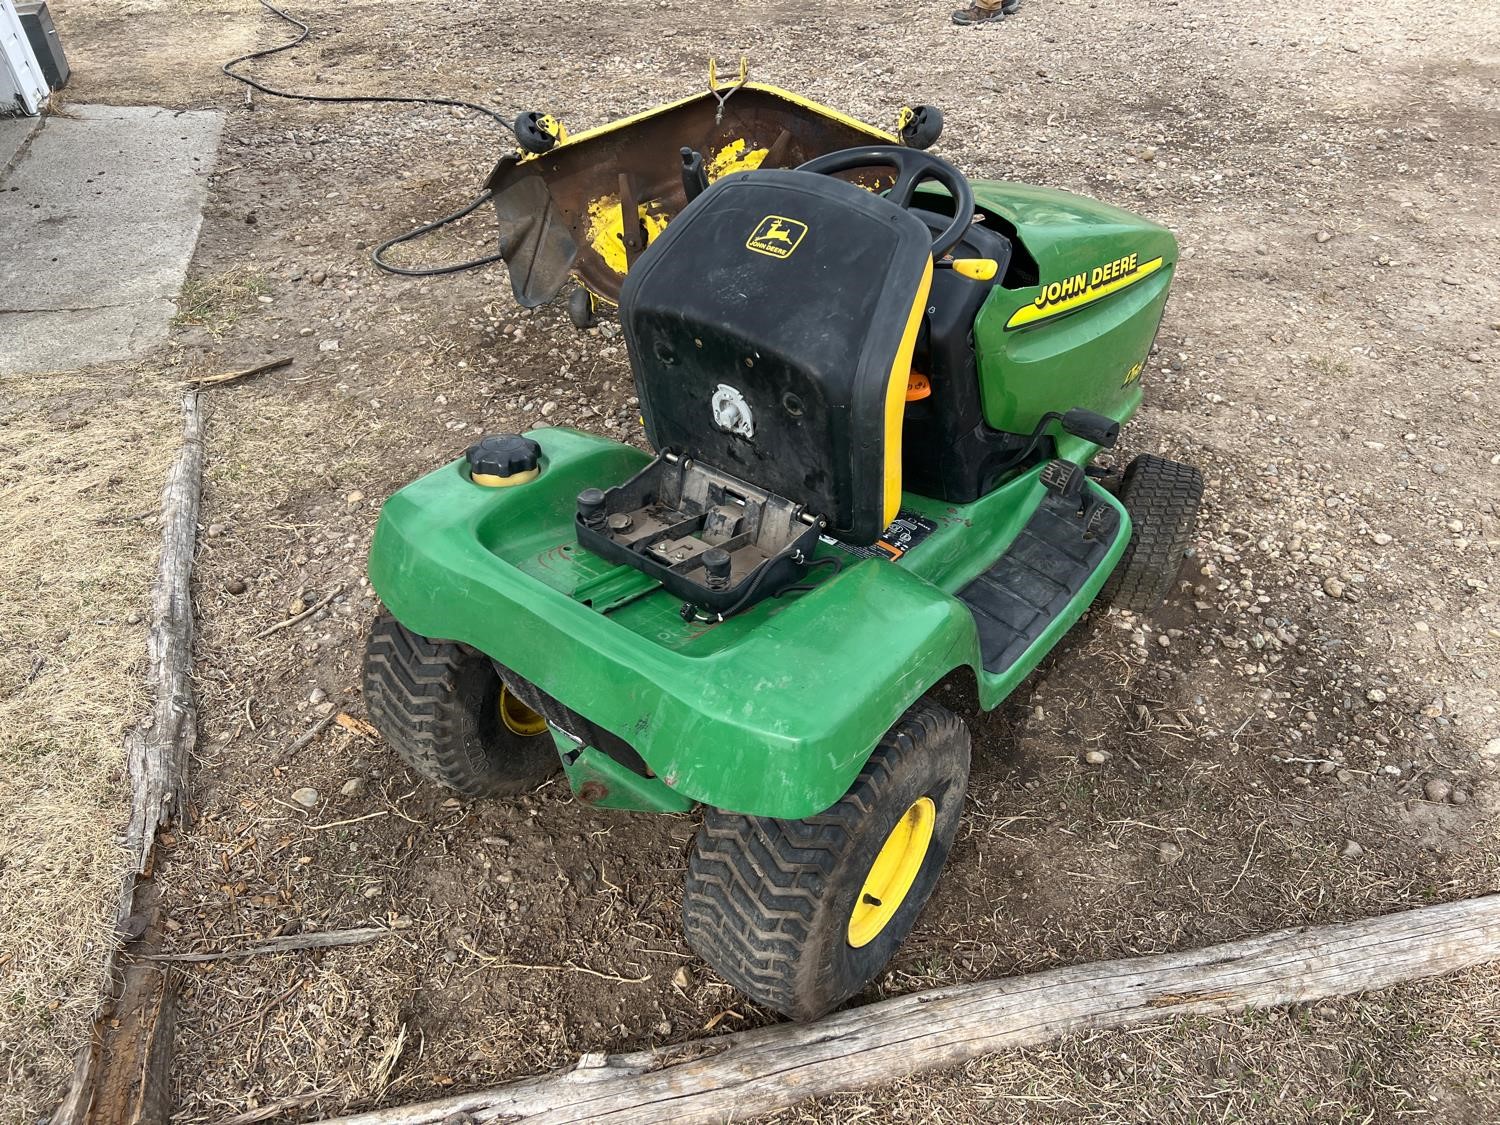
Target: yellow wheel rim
[893, 872]
[519, 718]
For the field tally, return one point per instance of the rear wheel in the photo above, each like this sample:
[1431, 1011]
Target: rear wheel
[445, 710]
[1162, 498]
[800, 914]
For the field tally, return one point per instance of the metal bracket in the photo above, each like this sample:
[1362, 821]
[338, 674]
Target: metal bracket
[713, 85]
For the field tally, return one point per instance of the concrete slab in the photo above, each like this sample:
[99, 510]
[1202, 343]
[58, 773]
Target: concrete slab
[100, 218]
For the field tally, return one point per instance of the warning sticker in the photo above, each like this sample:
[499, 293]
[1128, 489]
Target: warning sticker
[907, 530]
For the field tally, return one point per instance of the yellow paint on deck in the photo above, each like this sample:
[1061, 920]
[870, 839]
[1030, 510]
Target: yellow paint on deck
[734, 157]
[606, 233]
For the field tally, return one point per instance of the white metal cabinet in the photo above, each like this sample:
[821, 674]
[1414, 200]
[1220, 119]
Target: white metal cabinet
[22, 87]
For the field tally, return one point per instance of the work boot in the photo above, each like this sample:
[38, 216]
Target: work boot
[974, 14]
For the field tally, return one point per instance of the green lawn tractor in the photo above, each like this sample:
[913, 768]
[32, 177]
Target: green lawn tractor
[872, 416]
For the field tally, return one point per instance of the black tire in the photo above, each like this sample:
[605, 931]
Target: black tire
[768, 902]
[1162, 498]
[438, 704]
[581, 308]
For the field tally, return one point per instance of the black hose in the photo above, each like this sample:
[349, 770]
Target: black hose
[375, 255]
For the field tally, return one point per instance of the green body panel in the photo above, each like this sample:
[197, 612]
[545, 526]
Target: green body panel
[599, 780]
[1091, 352]
[773, 711]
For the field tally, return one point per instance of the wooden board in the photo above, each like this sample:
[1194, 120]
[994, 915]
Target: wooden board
[750, 1073]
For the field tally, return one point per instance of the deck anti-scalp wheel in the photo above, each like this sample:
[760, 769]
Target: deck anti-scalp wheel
[800, 914]
[444, 709]
[1162, 498]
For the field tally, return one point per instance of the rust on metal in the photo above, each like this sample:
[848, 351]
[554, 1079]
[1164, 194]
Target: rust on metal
[591, 205]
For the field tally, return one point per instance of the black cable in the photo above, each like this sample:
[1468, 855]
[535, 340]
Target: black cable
[803, 587]
[434, 271]
[375, 255]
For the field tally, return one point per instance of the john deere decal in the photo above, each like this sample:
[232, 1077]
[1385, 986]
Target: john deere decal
[777, 236]
[1083, 288]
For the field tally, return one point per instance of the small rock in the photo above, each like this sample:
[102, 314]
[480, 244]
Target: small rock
[354, 498]
[318, 277]
[1323, 236]
[216, 529]
[664, 1028]
[328, 345]
[307, 798]
[317, 695]
[548, 409]
[1168, 852]
[1381, 539]
[1096, 757]
[352, 788]
[1459, 797]
[235, 586]
[1439, 468]
[1491, 748]
[1351, 849]
[1333, 587]
[372, 891]
[1437, 790]
[682, 978]
[295, 606]
[1375, 695]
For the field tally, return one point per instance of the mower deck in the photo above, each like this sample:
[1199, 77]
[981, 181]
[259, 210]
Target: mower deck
[772, 711]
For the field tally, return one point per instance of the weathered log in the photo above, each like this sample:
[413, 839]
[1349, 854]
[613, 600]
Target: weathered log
[750, 1073]
[158, 757]
[288, 943]
[121, 1073]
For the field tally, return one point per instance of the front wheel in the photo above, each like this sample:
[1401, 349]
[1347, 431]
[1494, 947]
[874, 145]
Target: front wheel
[1162, 498]
[445, 710]
[801, 914]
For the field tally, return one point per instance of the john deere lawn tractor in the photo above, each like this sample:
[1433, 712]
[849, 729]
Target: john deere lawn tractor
[872, 415]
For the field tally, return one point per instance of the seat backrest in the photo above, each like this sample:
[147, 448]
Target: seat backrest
[770, 328]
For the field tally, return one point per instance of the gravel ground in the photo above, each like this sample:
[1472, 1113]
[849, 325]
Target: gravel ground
[1307, 733]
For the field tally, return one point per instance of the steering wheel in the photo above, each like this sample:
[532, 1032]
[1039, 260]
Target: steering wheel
[913, 166]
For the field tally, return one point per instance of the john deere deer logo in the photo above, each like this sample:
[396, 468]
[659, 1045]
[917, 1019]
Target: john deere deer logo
[777, 236]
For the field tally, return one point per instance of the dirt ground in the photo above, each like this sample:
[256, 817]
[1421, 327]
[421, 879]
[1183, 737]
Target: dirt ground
[1307, 733]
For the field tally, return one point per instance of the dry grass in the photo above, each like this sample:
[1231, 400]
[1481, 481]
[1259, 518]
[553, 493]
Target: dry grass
[215, 303]
[82, 460]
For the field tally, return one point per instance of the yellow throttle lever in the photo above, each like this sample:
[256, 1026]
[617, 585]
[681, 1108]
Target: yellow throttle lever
[979, 269]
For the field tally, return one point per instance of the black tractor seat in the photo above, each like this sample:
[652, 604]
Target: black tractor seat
[771, 328]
